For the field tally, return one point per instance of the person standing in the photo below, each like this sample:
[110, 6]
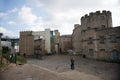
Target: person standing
[72, 64]
[24, 55]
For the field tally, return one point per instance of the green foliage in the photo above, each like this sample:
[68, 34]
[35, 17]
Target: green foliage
[21, 59]
[6, 56]
[0, 52]
[2, 65]
[5, 49]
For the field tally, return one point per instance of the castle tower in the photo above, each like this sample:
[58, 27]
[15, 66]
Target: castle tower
[97, 20]
[89, 26]
[76, 38]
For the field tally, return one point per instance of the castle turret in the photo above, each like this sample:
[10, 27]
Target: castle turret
[89, 26]
[97, 20]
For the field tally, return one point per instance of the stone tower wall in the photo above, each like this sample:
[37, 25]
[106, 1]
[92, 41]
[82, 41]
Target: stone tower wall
[96, 20]
[89, 24]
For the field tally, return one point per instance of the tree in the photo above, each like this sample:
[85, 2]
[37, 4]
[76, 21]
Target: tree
[5, 49]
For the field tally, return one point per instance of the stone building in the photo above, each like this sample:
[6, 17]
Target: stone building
[62, 43]
[39, 41]
[65, 43]
[11, 43]
[57, 35]
[48, 38]
[26, 43]
[39, 46]
[108, 42]
[99, 39]
[76, 39]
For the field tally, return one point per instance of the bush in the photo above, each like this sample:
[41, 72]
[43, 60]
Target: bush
[5, 49]
[0, 52]
[21, 59]
[6, 56]
[2, 65]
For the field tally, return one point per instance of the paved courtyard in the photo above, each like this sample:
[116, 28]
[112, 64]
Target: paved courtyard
[61, 63]
[57, 67]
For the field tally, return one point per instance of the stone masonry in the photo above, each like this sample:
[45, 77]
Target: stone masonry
[99, 39]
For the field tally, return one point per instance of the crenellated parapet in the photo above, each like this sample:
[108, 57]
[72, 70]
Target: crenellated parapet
[96, 19]
[97, 13]
[26, 33]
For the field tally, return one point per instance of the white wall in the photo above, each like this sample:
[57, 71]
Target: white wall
[16, 47]
[6, 43]
[46, 36]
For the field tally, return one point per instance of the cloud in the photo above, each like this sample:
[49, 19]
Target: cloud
[73, 4]
[5, 31]
[110, 3]
[8, 32]
[3, 14]
[25, 15]
[11, 22]
[2, 30]
[13, 10]
[37, 25]
[29, 20]
[66, 13]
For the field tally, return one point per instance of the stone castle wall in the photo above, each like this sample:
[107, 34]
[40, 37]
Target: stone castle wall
[96, 31]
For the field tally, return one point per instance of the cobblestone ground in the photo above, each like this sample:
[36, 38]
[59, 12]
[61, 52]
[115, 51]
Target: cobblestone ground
[57, 67]
[61, 63]
[30, 72]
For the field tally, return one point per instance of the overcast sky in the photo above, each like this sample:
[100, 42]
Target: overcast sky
[37, 15]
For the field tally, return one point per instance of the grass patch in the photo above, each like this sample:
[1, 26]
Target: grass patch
[2, 65]
[21, 59]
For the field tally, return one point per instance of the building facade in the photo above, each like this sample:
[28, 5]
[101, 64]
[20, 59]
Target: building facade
[76, 39]
[26, 43]
[108, 43]
[65, 43]
[56, 39]
[41, 41]
[11, 43]
[99, 39]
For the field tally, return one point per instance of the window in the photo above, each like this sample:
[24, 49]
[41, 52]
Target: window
[83, 31]
[113, 38]
[90, 40]
[88, 28]
[102, 26]
[102, 39]
[102, 17]
[91, 52]
[102, 49]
